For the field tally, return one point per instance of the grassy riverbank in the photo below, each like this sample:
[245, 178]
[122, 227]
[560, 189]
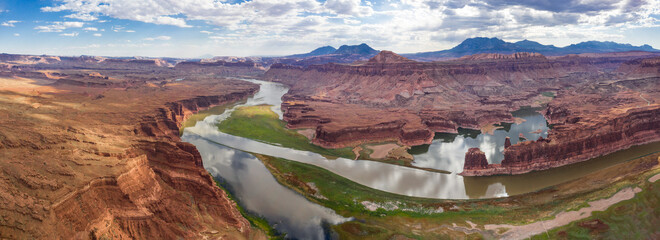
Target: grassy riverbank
[382, 215]
[262, 124]
[637, 218]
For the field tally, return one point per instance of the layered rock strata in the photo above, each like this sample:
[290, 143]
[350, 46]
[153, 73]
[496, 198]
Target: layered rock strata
[587, 123]
[393, 98]
[106, 161]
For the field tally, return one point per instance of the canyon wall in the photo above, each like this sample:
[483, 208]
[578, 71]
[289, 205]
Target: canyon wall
[222, 68]
[589, 122]
[106, 161]
[570, 144]
[393, 98]
[420, 98]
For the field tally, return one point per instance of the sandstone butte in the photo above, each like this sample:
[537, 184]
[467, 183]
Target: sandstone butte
[603, 102]
[90, 148]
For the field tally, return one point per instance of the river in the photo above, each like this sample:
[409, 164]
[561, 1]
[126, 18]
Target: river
[224, 156]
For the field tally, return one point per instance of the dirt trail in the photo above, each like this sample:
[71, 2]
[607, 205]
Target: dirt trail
[654, 178]
[563, 218]
[648, 103]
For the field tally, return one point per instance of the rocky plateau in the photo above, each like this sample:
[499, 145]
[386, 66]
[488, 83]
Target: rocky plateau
[603, 102]
[90, 148]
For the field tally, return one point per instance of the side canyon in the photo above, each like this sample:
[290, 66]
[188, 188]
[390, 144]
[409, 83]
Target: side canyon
[595, 103]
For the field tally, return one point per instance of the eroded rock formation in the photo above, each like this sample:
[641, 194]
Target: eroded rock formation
[475, 159]
[392, 98]
[104, 160]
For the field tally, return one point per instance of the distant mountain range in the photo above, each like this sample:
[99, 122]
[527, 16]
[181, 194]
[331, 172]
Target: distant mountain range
[327, 54]
[362, 49]
[470, 46]
[478, 45]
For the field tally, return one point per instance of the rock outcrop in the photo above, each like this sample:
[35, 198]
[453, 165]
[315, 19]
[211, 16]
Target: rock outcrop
[392, 98]
[83, 161]
[222, 68]
[475, 159]
[588, 122]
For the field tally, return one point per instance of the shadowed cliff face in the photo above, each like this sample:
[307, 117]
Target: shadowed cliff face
[100, 157]
[475, 159]
[392, 98]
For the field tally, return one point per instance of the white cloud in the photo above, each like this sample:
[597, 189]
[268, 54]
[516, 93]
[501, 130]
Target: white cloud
[97, 34]
[59, 26]
[17, 35]
[9, 23]
[93, 29]
[118, 28]
[166, 20]
[73, 34]
[403, 25]
[161, 38]
[177, 13]
[348, 7]
[82, 16]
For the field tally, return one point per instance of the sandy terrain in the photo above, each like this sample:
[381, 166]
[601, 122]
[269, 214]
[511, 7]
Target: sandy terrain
[309, 133]
[490, 129]
[380, 151]
[654, 178]
[563, 218]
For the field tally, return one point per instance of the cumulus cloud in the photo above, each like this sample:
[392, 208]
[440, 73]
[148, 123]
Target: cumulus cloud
[93, 29]
[97, 34]
[177, 12]
[17, 35]
[59, 26]
[580, 6]
[162, 38]
[73, 34]
[9, 23]
[348, 7]
[82, 16]
[405, 25]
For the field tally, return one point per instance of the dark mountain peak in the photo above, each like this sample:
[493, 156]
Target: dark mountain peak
[388, 57]
[480, 43]
[323, 51]
[527, 45]
[316, 52]
[598, 44]
[362, 49]
[606, 46]
[499, 56]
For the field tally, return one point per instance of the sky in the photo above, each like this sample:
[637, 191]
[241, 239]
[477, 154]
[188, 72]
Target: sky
[196, 28]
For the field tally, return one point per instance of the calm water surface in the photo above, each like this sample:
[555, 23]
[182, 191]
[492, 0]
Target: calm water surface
[246, 177]
[447, 151]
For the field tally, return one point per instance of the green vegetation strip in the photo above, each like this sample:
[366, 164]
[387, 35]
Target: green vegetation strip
[636, 218]
[395, 214]
[262, 124]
